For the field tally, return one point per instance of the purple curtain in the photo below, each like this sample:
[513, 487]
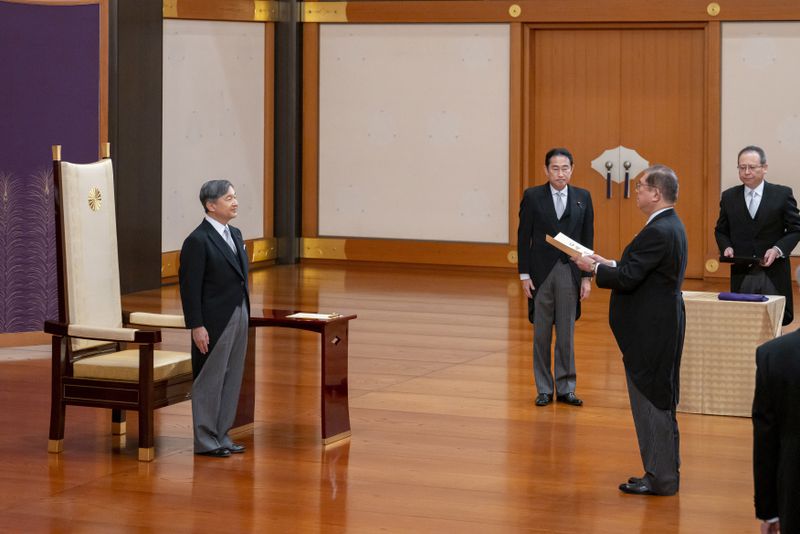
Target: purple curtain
[49, 94]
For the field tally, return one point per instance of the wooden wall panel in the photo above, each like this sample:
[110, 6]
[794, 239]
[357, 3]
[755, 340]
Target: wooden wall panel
[569, 11]
[713, 139]
[515, 131]
[408, 251]
[222, 10]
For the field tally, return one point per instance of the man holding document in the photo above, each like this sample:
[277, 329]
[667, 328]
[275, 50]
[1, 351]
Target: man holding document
[554, 286]
[646, 314]
[758, 227]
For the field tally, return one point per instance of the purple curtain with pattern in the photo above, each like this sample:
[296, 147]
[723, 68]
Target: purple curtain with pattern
[49, 94]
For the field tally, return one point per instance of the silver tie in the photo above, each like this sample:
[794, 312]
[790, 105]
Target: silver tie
[228, 239]
[751, 206]
[559, 204]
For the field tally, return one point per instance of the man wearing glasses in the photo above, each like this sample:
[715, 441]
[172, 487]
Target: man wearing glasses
[759, 220]
[553, 285]
[647, 317]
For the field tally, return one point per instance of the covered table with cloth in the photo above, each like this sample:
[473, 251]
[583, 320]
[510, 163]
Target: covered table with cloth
[718, 367]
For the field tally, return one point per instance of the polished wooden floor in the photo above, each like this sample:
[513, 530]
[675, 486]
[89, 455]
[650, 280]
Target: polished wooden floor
[445, 434]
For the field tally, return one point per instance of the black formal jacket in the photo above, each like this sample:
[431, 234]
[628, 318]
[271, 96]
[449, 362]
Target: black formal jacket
[776, 431]
[537, 218]
[646, 311]
[213, 282]
[777, 223]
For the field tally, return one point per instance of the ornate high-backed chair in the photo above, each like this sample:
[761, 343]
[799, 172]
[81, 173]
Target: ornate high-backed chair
[91, 363]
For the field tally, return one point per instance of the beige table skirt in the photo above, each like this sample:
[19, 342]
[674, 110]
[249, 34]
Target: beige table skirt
[718, 368]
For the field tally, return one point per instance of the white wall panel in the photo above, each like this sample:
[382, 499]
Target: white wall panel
[414, 131]
[213, 123]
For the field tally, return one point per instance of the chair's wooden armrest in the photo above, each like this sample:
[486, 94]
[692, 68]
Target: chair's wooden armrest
[131, 335]
[162, 320]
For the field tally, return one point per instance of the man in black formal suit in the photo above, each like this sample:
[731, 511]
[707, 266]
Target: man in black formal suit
[553, 285]
[759, 220]
[214, 294]
[776, 434]
[646, 314]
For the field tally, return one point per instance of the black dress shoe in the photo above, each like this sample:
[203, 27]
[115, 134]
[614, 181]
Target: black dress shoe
[635, 480]
[639, 488]
[221, 452]
[543, 399]
[570, 398]
[236, 448]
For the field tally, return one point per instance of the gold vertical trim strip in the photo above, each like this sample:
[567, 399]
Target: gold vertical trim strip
[56, 152]
[323, 12]
[169, 9]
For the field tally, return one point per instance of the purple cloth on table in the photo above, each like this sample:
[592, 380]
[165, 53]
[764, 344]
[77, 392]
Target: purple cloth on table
[742, 297]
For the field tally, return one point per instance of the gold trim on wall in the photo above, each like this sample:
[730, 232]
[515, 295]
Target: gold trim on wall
[265, 11]
[323, 11]
[323, 248]
[169, 9]
[260, 250]
[229, 10]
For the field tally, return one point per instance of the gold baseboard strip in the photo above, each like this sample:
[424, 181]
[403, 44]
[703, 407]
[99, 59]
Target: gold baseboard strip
[147, 454]
[337, 437]
[55, 446]
[323, 248]
[119, 429]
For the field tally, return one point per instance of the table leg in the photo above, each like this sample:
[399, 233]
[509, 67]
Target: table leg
[335, 409]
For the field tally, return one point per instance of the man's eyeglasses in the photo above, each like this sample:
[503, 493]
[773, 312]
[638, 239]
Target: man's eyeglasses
[751, 168]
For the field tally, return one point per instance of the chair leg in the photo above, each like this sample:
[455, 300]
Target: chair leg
[55, 444]
[57, 407]
[118, 422]
[147, 450]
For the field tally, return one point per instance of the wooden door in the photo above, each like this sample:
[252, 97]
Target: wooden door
[594, 89]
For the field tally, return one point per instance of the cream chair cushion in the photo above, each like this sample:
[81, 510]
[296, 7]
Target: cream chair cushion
[124, 365]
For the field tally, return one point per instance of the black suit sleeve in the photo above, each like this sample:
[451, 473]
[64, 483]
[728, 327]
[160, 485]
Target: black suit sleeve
[791, 222]
[190, 275]
[525, 233]
[722, 230]
[766, 442]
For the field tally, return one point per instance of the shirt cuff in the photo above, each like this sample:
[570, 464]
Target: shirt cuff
[780, 252]
[524, 276]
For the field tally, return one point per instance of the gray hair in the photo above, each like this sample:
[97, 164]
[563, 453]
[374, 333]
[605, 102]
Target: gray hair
[665, 180]
[212, 190]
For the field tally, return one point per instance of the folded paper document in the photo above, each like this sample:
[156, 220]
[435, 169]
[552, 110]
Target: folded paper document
[316, 316]
[568, 246]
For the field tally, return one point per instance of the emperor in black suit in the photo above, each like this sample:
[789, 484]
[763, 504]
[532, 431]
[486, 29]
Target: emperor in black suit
[776, 433]
[553, 285]
[646, 315]
[215, 299]
[769, 236]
